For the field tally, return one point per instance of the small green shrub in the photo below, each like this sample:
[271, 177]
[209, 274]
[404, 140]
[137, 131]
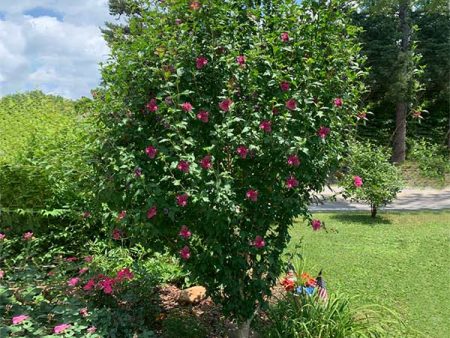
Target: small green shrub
[310, 317]
[432, 159]
[369, 165]
[183, 324]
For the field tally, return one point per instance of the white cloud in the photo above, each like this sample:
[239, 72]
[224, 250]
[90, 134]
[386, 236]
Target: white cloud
[57, 55]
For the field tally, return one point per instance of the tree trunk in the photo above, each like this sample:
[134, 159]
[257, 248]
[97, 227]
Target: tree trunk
[401, 112]
[373, 209]
[243, 330]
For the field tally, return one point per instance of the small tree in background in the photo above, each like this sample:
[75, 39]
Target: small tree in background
[219, 118]
[370, 178]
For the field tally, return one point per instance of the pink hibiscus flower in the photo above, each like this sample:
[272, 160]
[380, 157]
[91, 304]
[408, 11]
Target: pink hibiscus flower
[357, 181]
[266, 126]
[106, 285]
[291, 182]
[185, 253]
[151, 106]
[89, 285]
[241, 60]
[152, 212]
[225, 104]
[338, 102]
[203, 116]
[73, 282]
[187, 106]
[284, 86]
[124, 274]
[259, 242]
[19, 319]
[242, 151]
[184, 232]
[206, 162]
[27, 236]
[284, 37]
[183, 166]
[182, 200]
[252, 195]
[61, 328]
[323, 132]
[291, 104]
[293, 161]
[316, 224]
[151, 151]
[201, 62]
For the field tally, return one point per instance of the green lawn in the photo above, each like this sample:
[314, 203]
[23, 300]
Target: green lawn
[400, 260]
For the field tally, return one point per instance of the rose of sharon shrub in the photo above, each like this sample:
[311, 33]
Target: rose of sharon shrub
[190, 97]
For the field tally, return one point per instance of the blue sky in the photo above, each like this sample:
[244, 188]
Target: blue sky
[52, 45]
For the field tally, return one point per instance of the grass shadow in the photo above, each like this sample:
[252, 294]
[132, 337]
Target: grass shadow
[360, 218]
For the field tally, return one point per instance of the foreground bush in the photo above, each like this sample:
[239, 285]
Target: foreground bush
[219, 119]
[370, 177]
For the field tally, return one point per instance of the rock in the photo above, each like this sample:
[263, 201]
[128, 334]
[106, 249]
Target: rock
[192, 295]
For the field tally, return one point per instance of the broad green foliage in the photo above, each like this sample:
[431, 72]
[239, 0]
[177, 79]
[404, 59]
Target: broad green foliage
[43, 152]
[381, 180]
[219, 118]
[433, 160]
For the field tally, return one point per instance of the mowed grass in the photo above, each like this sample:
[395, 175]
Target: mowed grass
[400, 260]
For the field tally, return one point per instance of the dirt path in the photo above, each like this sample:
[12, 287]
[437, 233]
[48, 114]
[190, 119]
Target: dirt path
[408, 199]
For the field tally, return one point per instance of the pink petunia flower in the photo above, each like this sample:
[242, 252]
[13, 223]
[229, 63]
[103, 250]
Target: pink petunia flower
[61, 328]
[84, 312]
[206, 162]
[284, 86]
[89, 285]
[266, 126]
[91, 329]
[291, 182]
[19, 319]
[203, 116]
[152, 212]
[242, 151]
[323, 132]
[187, 107]
[124, 274]
[27, 236]
[73, 282]
[184, 232]
[201, 62]
[316, 224]
[284, 37]
[151, 106]
[185, 253]
[291, 104]
[338, 102]
[151, 151]
[225, 104]
[182, 200]
[183, 166]
[241, 60]
[252, 195]
[82, 271]
[122, 215]
[259, 242]
[357, 181]
[117, 234]
[293, 161]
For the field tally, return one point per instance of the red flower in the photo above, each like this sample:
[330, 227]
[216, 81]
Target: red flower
[182, 200]
[124, 274]
[252, 195]
[206, 162]
[151, 106]
[357, 181]
[106, 285]
[241, 60]
[116, 234]
[185, 253]
[323, 132]
[259, 242]
[183, 166]
[184, 232]
[225, 104]
[203, 116]
[284, 37]
[187, 107]
[89, 285]
[242, 151]
[316, 224]
[284, 86]
[291, 104]
[293, 161]
[266, 126]
[122, 215]
[338, 102]
[201, 62]
[151, 151]
[291, 182]
[152, 212]
[288, 283]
